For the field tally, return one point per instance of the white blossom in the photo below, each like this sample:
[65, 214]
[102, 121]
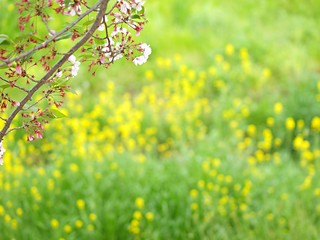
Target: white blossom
[137, 5]
[124, 7]
[2, 151]
[119, 30]
[72, 59]
[73, 9]
[139, 60]
[75, 69]
[147, 49]
[59, 74]
[118, 53]
[117, 17]
[101, 27]
[146, 52]
[75, 65]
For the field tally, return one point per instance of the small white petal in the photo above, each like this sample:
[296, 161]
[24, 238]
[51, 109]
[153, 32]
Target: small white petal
[72, 59]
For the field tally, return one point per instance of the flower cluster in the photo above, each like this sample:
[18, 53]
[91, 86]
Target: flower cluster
[75, 65]
[74, 8]
[253, 175]
[146, 51]
[32, 62]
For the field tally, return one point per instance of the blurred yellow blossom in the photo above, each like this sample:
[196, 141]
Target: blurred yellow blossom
[78, 224]
[92, 217]
[194, 206]
[19, 212]
[194, 193]
[81, 203]
[139, 202]
[229, 49]
[149, 74]
[54, 223]
[278, 108]
[67, 228]
[317, 192]
[290, 123]
[315, 124]
[270, 121]
[266, 73]
[149, 216]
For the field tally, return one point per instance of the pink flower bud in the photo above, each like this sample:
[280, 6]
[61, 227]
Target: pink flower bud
[30, 138]
[18, 69]
[38, 134]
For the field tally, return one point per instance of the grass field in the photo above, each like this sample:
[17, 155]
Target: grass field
[217, 136]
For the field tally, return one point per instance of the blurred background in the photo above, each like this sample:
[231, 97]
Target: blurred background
[215, 137]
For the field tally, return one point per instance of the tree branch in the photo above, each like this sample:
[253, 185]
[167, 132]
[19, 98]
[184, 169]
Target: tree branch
[102, 4]
[45, 43]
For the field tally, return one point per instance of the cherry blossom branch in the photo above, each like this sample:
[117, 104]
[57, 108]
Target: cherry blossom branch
[102, 4]
[53, 38]
[96, 48]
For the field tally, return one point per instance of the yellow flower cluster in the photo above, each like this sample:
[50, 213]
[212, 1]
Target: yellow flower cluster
[217, 194]
[140, 218]
[168, 113]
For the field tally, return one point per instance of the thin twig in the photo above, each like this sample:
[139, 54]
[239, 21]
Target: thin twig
[47, 25]
[31, 79]
[111, 9]
[38, 101]
[13, 129]
[14, 85]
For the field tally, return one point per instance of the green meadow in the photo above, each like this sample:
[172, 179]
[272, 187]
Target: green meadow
[216, 137]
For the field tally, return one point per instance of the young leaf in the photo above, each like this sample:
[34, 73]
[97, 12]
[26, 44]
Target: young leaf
[64, 36]
[135, 16]
[57, 113]
[4, 86]
[4, 39]
[87, 23]
[71, 90]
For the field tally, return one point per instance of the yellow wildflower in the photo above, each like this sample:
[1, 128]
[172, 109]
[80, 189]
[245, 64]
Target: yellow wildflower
[315, 124]
[74, 167]
[278, 107]
[194, 193]
[81, 204]
[251, 129]
[78, 224]
[149, 74]
[67, 228]
[194, 206]
[149, 216]
[92, 217]
[137, 215]
[290, 123]
[270, 121]
[19, 212]
[139, 202]
[229, 49]
[54, 223]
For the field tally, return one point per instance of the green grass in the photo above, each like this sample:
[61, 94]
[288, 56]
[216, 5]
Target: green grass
[179, 141]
